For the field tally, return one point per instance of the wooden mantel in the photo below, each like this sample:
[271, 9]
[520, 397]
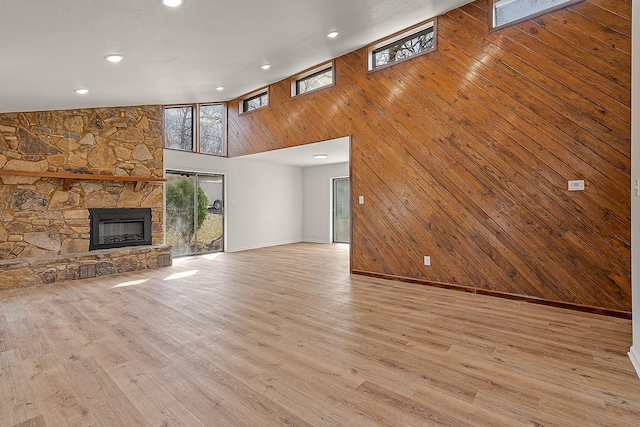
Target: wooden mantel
[67, 178]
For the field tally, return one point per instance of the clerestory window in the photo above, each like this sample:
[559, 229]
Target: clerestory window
[313, 79]
[405, 45]
[198, 128]
[508, 12]
[254, 101]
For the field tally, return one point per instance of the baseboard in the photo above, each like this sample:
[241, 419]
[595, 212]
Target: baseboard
[324, 242]
[634, 355]
[517, 297]
[266, 245]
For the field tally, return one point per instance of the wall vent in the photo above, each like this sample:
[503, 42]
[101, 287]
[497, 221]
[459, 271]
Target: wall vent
[87, 271]
[164, 260]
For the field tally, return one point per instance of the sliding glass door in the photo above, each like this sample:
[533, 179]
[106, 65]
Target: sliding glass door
[210, 234]
[194, 213]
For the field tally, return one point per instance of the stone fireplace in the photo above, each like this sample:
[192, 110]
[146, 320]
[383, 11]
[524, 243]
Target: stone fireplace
[57, 168]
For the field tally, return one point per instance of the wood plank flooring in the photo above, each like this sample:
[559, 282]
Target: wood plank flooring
[285, 336]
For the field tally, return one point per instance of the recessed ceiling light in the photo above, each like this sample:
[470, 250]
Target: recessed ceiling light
[266, 66]
[114, 58]
[220, 88]
[172, 3]
[81, 91]
[332, 34]
[320, 156]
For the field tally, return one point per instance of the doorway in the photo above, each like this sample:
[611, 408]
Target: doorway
[194, 213]
[341, 210]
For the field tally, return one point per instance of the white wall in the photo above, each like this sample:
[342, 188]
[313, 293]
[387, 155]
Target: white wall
[317, 199]
[263, 201]
[634, 353]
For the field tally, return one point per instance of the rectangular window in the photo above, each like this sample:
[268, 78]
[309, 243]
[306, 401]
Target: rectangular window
[313, 79]
[211, 129]
[405, 45]
[254, 100]
[178, 128]
[509, 12]
[196, 128]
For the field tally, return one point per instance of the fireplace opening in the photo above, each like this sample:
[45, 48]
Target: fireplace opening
[118, 227]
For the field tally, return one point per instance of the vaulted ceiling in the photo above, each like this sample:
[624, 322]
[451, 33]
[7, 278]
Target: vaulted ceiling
[51, 47]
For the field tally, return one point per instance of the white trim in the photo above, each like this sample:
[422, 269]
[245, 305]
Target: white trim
[634, 355]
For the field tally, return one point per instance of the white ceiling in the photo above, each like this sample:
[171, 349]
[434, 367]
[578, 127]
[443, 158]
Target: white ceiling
[337, 151]
[51, 47]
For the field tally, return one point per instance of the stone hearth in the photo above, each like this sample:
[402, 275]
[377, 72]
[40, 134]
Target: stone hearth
[34, 271]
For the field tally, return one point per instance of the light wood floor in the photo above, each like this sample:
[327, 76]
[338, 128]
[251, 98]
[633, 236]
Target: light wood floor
[285, 336]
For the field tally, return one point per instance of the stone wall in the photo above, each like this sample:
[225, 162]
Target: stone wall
[38, 218]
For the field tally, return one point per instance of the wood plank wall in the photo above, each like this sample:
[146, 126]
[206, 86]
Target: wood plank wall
[464, 154]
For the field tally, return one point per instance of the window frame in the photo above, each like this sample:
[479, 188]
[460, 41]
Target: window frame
[194, 139]
[492, 7]
[252, 95]
[319, 69]
[411, 31]
[224, 128]
[195, 122]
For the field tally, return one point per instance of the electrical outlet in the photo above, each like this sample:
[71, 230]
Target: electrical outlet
[577, 185]
[427, 260]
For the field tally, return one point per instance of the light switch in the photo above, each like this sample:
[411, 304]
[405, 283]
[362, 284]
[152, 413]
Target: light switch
[361, 200]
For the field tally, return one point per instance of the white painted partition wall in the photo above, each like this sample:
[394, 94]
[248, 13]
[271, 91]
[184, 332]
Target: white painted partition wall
[317, 199]
[634, 353]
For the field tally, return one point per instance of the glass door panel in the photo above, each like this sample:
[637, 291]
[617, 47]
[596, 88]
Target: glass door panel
[341, 210]
[210, 233]
[195, 213]
[179, 216]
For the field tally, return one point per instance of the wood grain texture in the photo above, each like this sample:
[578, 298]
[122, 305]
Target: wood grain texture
[464, 154]
[286, 336]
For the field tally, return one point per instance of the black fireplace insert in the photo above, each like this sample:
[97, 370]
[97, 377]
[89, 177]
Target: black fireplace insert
[119, 227]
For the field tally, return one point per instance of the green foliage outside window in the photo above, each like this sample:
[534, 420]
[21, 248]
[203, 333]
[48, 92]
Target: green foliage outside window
[180, 208]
